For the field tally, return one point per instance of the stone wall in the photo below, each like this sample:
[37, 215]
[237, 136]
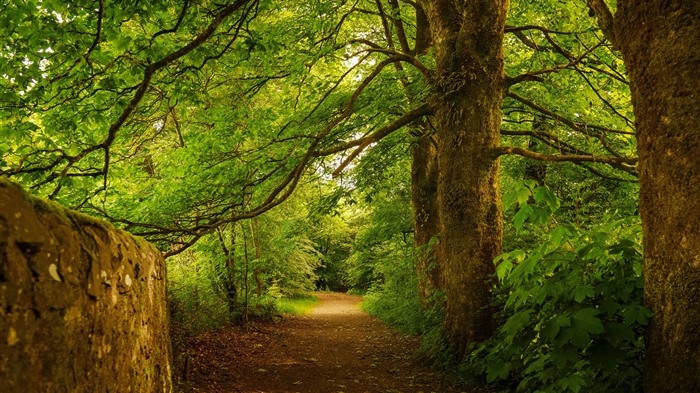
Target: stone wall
[82, 304]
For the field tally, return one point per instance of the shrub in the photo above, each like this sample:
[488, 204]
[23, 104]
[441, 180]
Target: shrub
[572, 313]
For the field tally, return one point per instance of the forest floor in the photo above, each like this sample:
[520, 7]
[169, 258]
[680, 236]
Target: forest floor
[335, 348]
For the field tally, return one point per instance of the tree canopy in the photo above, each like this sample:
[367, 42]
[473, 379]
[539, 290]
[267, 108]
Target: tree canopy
[355, 144]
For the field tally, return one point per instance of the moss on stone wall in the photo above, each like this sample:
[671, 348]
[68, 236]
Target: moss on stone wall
[82, 304]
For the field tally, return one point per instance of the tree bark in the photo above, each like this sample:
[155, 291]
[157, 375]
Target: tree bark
[228, 281]
[424, 178]
[660, 43]
[258, 271]
[467, 38]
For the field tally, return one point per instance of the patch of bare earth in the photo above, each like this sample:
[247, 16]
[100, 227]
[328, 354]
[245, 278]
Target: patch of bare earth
[336, 348]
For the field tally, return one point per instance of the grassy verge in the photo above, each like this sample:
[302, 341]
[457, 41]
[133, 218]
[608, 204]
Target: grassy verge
[297, 306]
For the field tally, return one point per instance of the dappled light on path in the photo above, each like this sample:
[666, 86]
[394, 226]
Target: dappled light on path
[335, 348]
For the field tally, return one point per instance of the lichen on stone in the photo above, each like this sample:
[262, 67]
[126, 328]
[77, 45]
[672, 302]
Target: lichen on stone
[53, 271]
[12, 338]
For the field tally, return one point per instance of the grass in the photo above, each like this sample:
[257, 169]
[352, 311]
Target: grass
[297, 306]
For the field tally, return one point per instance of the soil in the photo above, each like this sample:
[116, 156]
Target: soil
[336, 348]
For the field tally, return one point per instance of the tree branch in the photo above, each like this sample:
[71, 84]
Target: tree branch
[398, 56]
[183, 12]
[534, 75]
[580, 127]
[502, 150]
[605, 19]
[140, 92]
[407, 118]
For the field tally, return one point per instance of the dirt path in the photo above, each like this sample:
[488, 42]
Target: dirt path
[336, 348]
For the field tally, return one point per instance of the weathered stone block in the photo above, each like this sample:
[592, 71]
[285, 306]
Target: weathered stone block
[82, 304]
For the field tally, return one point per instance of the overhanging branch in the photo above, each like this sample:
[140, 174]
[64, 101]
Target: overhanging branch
[503, 150]
[605, 19]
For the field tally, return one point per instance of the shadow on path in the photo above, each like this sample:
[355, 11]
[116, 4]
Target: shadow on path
[335, 348]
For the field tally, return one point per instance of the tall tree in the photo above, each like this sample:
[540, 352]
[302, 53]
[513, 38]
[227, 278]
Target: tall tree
[469, 79]
[454, 168]
[424, 186]
[660, 43]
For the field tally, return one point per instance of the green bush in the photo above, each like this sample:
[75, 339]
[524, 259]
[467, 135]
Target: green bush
[572, 311]
[297, 306]
[395, 299]
[194, 303]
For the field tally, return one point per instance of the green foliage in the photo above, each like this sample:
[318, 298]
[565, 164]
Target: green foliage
[572, 309]
[219, 130]
[297, 306]
[245, 270]
[194, 303]
[396, 299]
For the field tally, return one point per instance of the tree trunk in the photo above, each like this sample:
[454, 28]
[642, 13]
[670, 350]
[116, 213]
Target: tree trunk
[660, 43]
[246, 259]
[424, 177]
[258, 271]
[536, 170]
[467, 37]
[229, 277]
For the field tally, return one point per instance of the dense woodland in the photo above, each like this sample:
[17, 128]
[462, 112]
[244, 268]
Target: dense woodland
[517, 182]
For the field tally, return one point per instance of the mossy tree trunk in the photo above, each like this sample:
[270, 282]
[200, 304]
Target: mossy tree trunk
[228, 278]
[660, 43]
[424, 177]
[467, 39]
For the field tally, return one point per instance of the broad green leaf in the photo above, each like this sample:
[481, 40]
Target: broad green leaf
[503, 268]
[560, 234]
[543, 195]
[497, 369]
[604, 355]
[586, 319]
[573, 383]
[551, 328]
[521, 216]
[517, 321]
[565, 353]
[583, 292]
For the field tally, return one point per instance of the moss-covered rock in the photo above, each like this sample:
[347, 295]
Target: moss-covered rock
[82, 304]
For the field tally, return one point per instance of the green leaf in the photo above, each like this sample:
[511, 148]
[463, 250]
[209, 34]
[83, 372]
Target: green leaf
[564, 320]
[604, 355]
[539, 215]
[636, 314]
[587, 320]
[517, 321]
[520, 194]
[509, 199]
[565, 353]
[573, 382]
[579, 337]
[560, 234]
[122, 43]
[503, 268]
[550, 329]
[619, 332]
[497, 369]
[582, 292]
[543, 195]
[521, 216]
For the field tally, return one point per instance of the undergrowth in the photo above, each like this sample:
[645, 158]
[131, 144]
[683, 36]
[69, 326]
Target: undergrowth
[571, 313]
[298, 305]
[395, 299]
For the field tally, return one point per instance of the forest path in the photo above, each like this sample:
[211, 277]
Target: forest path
[335, 348]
